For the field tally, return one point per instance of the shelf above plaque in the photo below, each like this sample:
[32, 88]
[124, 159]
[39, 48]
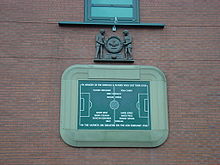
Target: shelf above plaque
[113, 106]
[144, 25]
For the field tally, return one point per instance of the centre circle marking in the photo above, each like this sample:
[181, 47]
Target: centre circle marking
[114, 104]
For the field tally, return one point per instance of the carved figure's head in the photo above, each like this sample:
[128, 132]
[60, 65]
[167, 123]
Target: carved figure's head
[102, 31]
[125, 32]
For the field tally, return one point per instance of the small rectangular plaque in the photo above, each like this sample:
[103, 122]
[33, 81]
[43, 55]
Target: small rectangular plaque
[120, 105]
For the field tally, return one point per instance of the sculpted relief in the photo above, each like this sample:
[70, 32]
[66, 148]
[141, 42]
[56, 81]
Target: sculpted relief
[113, 48]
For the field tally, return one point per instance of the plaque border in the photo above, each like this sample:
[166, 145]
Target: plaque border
[113, 138]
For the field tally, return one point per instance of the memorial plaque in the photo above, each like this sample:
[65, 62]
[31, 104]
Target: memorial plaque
[114, 105]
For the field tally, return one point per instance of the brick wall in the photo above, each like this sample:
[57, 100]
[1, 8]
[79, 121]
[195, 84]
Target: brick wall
[34, 51]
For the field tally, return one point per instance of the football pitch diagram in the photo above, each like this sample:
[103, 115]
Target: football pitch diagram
[114, 105]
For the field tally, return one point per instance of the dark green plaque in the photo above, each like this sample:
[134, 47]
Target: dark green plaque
[119, 105]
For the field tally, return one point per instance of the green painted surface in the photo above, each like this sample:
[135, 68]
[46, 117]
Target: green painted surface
[111, 12]
[130, 2]
[79, 136]
[108, 10]
[120, 105]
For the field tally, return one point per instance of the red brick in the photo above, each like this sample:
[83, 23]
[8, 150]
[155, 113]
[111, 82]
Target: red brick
[35, 51]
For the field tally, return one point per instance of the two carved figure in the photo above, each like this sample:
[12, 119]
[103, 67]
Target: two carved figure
[113, 46]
